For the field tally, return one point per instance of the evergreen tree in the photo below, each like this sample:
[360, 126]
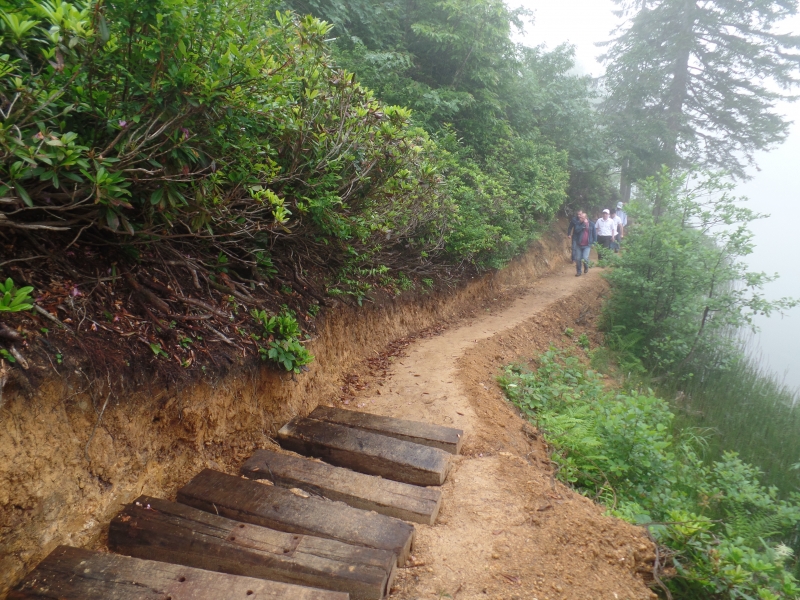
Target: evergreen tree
[696, 82]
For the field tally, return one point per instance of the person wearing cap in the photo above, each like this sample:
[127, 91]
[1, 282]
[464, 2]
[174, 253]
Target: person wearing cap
[623, 217]
[606, 231]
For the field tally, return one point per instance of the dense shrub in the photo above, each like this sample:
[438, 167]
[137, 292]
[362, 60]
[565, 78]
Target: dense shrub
[518, 121]
[214, 123]
[497, 215]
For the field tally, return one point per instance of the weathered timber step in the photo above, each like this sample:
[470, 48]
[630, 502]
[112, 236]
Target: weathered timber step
[436, 436]
[76, 574]
[392, 498]
[176, 533]
[366, 452]
[282, 510]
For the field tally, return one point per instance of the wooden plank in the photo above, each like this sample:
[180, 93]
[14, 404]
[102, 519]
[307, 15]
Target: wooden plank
[77, 574]
[436, 436]
[172, 532]
[366, 452]
[278, 508]
[392, 498]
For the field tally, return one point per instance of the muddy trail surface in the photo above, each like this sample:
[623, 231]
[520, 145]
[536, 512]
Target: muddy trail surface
[507, 529]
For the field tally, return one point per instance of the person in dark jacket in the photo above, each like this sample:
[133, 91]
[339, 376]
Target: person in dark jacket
[574, 222]
[584, 234]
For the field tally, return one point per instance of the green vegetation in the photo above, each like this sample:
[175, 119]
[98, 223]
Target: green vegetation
[695, 83]
[514, 127]
[13, 299]
[746, 409]
[282, 333]
[725, 531]
[681, 286]
[243, 129]
[680, 292]
[260, 156]
[183, 123]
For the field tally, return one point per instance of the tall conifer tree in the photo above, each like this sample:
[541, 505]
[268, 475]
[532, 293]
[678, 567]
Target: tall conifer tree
[696, 82]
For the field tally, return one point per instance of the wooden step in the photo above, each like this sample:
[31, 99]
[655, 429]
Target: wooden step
[436, 436]
[172, 532]
[278, 508]
[366, 452]
[392, 498]
[77, 574]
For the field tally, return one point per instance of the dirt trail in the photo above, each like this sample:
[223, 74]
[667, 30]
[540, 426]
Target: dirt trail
[506, 530]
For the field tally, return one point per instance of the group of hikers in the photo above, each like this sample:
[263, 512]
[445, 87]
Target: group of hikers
[607, 232]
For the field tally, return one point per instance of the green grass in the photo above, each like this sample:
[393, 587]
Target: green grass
[750, 411]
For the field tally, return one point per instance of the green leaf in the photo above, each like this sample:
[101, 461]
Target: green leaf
[23, 194]
[102, 27]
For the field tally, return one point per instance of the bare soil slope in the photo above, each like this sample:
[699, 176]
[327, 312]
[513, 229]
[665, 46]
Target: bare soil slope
[507, 529]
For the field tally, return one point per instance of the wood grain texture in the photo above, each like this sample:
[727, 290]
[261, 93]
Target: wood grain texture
[172, 532]
[366, 452]
[436, 436]
[76, 574]
[280, 509]
[392, 498]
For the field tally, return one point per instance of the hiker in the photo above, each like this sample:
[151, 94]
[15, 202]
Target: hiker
[606, 231]
[573, 222]
[583, 237]
[623, 217]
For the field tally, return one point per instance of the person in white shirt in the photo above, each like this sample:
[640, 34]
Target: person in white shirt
[606, 231]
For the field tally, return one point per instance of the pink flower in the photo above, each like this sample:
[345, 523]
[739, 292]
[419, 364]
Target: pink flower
[123, 124]
[75, 292]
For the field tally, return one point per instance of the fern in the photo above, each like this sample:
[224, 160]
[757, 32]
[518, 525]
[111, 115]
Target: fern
[752, 526]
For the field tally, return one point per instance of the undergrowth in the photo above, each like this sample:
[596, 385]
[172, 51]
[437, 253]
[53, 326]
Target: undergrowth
[723, 531]
[282, 335]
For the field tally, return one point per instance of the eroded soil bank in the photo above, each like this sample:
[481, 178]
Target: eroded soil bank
[71, 456]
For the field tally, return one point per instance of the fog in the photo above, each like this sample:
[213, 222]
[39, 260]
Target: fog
[774, 189]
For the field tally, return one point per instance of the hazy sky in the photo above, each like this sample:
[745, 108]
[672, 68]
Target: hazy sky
[774, 190]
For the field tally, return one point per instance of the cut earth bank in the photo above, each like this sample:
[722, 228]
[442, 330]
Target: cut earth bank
[506, 529]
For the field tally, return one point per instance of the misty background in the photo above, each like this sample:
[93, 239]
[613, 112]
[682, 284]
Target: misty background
[774, 188]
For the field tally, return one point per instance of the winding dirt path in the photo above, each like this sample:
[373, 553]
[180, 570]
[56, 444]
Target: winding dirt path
[507, 530]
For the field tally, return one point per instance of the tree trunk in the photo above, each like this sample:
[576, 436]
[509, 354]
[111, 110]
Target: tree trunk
[678, 90]
[625, 180]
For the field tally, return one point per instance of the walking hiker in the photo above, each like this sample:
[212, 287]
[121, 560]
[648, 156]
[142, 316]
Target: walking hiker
[583, 237]
[606, 231]
[573, 222]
